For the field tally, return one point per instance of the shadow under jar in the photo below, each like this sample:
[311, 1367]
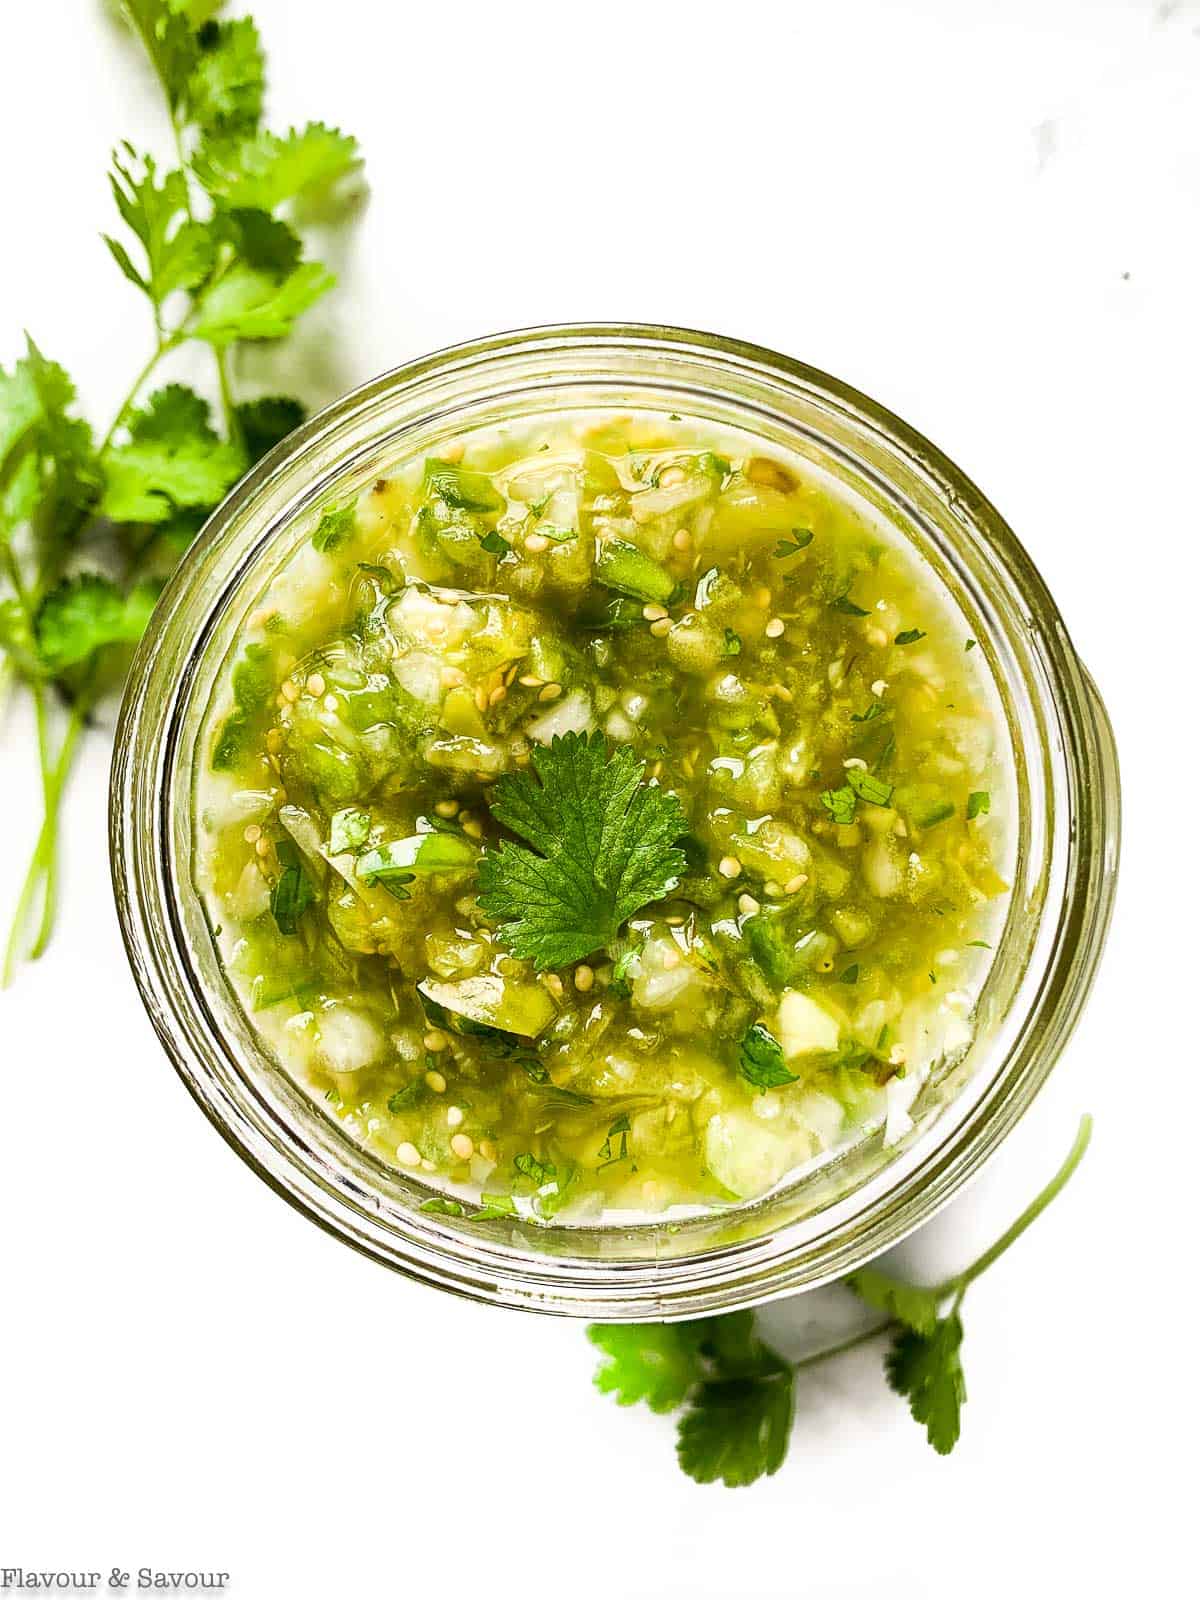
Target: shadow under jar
[831, 1216]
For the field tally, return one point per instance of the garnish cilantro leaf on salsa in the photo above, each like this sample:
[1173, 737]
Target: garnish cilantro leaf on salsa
[600, 843]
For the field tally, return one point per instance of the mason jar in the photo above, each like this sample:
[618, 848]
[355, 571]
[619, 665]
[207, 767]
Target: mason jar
[821, 1224]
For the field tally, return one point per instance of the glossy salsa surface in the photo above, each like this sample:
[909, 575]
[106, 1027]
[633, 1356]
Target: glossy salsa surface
[703, 610]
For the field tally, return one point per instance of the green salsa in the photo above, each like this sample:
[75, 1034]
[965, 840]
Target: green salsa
[604, 815]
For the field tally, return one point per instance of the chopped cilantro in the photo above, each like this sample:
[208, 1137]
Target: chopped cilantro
[871, 789]
[979, 803]
[335, 527]
[538, 1172]
[348, 830]
[760, 1059]
[412, 1094]
[733, 643]
[799, 539]
[909, 636]
[840, 804]
[938, 813]
[619, 1129]
[875, 709]
[294, 891]
[845, 604]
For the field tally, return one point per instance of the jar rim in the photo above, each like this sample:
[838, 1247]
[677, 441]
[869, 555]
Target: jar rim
[1082, 843]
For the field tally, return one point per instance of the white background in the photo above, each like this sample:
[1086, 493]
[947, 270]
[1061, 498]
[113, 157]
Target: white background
[985, 215]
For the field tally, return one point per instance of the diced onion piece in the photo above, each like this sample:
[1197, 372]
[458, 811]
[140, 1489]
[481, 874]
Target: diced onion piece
[901, 1092]
[805, 1026]
[572, 714]
[305, 832]
[348, 1041]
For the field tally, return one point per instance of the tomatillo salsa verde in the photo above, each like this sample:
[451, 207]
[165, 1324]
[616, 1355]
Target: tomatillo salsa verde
[603, 815]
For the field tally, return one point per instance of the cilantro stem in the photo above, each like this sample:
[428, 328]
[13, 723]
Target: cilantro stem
[233, 427]
[958, 1284]
[44, 860]
[845, 1345]
[62, 769]
[161, 348]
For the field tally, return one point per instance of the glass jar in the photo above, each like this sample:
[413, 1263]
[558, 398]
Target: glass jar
[823, 1223]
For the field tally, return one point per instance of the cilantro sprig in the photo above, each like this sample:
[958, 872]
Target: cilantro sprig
[90, 526]
[735, 1394]
[602, 844]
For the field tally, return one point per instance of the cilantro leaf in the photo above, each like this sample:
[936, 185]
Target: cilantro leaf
[844, 604]
[620, 1128]
[66, 477]
[335, 527]
[173, 458]
[760, 1059]
[83, 614]
[916, 1308]
[179, 252]
[294, 892]
[163, 27]
[799, 539]
[875, 709]
[198, 12]
[840, 804]
[733, 643]
[659, 1363]
[246, 303]
[267, 169]
[20, 407]
[941, 812]
[261, 240]
[979, 803]
[265, 422]
[20, 494]
[225, 86]
[909, 636]
[348, 830]
[538, 1172]
[737, 1429]
[252, 682]
[871, 789]
[927, 1370]
[412, 1094]
[603, 847]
